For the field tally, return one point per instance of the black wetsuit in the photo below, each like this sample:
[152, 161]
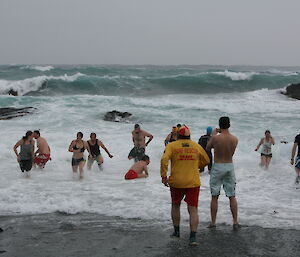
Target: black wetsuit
[203, 140]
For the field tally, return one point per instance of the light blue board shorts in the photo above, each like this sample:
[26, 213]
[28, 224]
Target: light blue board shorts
[222, 174]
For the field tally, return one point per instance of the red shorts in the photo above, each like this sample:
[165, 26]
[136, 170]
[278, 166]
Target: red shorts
[41, 159]
[131, 174]
[191, 195]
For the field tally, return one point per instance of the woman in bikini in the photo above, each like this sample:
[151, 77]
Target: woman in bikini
[77, 147]
[266, 153]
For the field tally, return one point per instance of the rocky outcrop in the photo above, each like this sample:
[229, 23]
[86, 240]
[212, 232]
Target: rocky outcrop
[117, 116]
[293, 91]
[11, 112]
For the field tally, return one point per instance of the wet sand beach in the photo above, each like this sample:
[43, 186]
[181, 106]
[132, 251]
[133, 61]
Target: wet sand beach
[86, 234]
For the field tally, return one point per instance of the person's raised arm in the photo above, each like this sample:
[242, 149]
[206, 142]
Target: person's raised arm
[105, 149]
[164, 163]
[72, 146]
[259, 144]
[273, 140]
[210, 143]
[150, 137]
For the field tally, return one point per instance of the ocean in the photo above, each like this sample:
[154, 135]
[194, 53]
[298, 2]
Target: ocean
[69, 99]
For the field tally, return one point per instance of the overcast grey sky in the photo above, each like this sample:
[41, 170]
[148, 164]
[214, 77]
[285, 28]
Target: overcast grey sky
[228, 32]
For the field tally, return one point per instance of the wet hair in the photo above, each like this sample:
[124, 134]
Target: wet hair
[145, 158]
[183, 137]
[136, 126]
[80, 133]
[224, 122]
[93, 134]
[178, 125]
[267, 131]
[37, 132]
[28, 134]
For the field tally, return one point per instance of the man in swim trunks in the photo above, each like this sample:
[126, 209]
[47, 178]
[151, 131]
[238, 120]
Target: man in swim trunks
[139, 141]
[139, 169]
[95, 155]
[222, 172]
[186, 158]
[42, 155]
[297, 162]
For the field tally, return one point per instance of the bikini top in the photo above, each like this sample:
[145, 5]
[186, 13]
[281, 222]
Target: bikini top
[77, 148]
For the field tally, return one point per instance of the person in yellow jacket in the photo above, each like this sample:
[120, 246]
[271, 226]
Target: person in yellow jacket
[184, 181]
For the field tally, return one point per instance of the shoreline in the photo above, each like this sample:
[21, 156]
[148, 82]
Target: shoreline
[86, 234]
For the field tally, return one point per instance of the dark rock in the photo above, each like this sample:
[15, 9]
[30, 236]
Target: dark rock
[11, 112]
[293, 90]
[117, 116]
[13, 92]
[1, 230]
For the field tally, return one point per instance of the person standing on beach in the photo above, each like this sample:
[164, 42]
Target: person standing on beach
[297, 162]
[203, 140]
[42, 155]
[25, 156]
[95, 155]
[77, 147]
[186, 158]
[266, 153]
[139, 141]
[222, 172]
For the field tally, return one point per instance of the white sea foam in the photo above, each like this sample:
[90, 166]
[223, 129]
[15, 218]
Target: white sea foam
[42, 68]
[235, 76]
[33, 84]
[259, 192]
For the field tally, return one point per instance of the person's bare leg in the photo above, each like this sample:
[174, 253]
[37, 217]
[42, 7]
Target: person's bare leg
[234, 209]
[81, 165]
[263, 161]
[194, 217]
[90, 163]
[268, 160]
[175, 214]
[213, 210]
[100, 161]
[75, 169]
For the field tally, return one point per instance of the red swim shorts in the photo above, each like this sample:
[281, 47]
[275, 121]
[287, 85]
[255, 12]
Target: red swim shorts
[41, 159]
[191, 195]
[131, 174]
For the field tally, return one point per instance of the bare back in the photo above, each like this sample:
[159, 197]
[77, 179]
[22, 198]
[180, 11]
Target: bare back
[139, 167]
[224, 146]
[43, 146]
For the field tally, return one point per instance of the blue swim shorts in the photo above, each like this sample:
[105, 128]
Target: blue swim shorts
[222, 174]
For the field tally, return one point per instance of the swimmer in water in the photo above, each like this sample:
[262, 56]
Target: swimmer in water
[266, 153]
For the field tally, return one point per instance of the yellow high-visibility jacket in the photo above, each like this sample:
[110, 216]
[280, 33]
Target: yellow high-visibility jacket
[186, 158]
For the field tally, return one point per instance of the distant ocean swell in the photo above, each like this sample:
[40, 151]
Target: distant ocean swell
[50, 81]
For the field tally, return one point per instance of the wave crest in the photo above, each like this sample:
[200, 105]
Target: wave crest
[33, 84]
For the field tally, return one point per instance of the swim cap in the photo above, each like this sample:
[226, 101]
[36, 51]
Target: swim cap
[209, 130]
[184, 131]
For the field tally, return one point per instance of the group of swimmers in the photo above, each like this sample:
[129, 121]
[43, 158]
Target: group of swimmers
[186, 157]
[27, 157]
